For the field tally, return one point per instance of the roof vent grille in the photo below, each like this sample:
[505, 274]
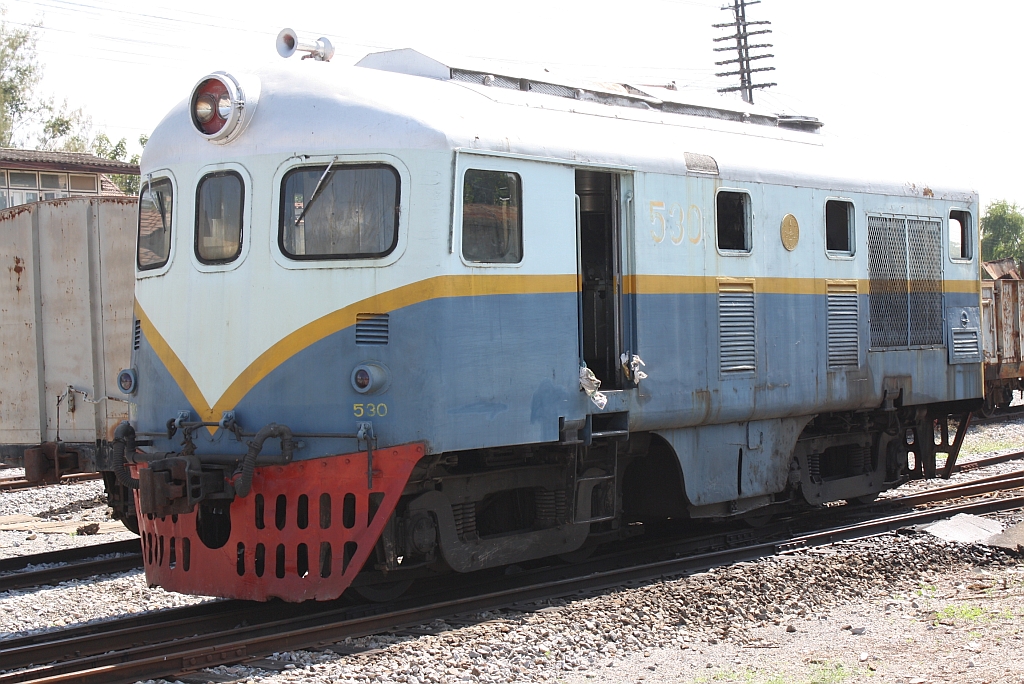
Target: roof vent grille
[700, 163]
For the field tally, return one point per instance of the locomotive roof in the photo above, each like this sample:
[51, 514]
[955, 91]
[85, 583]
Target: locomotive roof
[308, 107]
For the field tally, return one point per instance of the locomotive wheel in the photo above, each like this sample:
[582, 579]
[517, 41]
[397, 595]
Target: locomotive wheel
[131, 522]
[989, 408]
[382, 593]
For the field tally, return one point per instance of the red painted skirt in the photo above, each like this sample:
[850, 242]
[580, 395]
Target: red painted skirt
[303, 532]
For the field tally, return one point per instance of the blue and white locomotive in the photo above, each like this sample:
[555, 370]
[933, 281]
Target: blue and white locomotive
[404, 318]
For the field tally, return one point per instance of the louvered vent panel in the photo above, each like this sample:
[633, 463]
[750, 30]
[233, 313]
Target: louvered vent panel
[843, 325]
[736, 326]
[137, 336]
[966, 346]
[924, 271]
[887, 270]
[371, 329]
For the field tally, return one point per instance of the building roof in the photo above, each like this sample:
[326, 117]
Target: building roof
[39, 160]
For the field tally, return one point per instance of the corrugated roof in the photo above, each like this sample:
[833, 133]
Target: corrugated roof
[62, 161]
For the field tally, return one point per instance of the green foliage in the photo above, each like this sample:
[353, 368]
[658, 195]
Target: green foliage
[103, 147]
[65, 129]
[831, 673]
[1002, 232]
[19, 74]
[960, 612]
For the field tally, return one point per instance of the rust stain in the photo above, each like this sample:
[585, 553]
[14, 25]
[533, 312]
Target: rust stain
[13, 212]
[18, 269]
[927, 192]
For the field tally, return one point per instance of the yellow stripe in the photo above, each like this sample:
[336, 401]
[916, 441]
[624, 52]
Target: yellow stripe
[662, 284]
[432, 288]
[170, 360]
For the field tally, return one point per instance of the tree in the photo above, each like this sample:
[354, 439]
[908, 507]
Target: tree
[65, 130]
[19, 75]
[103, 147]
[1002, 232]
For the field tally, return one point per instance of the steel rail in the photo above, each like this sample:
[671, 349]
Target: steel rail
[11, 483]
[237, 645]
[71, 555]
[986, 485]
[71, 571]
[967, 466]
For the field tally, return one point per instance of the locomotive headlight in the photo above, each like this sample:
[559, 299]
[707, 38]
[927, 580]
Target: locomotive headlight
[222, 105]
[127, 381]
[204, 109]
[370, 378]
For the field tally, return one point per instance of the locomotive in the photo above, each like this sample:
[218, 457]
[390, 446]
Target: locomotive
[403, 318]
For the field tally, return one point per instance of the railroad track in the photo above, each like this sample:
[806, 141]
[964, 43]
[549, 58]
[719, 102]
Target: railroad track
[9, 483]
[999, 415]
[85, 562]
[230, 632]
[68, 564]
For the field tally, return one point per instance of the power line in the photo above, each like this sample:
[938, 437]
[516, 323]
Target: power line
[741, 35]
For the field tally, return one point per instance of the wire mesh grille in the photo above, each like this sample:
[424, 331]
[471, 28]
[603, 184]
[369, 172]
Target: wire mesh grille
[887, 271]
[905, 271]
[552, 89]
[925, 281]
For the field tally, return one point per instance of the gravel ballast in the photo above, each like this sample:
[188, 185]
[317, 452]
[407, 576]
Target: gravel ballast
[907, 599]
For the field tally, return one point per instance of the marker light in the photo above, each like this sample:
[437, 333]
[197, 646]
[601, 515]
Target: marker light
[126, 381]
[370, 378]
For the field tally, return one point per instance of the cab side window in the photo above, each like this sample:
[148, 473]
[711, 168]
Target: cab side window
[732, 220]
[839, 226]
[156, 202]
[492, 220]
[219, 202]
[960, 234]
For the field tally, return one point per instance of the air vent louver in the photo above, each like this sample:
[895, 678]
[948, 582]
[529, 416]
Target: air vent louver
[137, 335]
[843, 324]
[371, 329]
[736, 326]
[965, 345]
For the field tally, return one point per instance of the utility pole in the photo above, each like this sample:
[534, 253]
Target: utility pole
[741, 35]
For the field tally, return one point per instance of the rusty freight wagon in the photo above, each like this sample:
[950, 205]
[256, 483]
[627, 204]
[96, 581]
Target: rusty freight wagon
[1002, 305]
[66, 298]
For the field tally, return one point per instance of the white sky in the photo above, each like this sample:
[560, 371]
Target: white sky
[935, 81]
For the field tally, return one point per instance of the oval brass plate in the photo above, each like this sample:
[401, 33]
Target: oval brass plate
[790, 232]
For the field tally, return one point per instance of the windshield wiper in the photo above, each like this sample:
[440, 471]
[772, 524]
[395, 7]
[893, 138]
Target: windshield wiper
[316, 192]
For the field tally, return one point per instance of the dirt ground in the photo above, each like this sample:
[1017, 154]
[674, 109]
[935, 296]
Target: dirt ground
[964, 626]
